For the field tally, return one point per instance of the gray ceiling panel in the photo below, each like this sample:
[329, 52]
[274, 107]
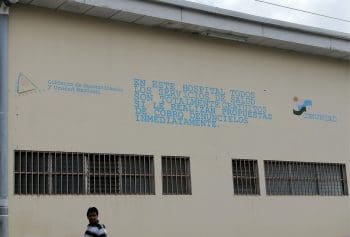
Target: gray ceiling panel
[193, 28]
[314, 50]
[150, 21]
[296, 37]
[220, 24]
[339, 44]
[72, 6]
[48, 3]
[147, 8]
[101, 12]
[337, 54]
[278, 44]
[172, 25]
[126, 16]
[25, 1]
[255, 39]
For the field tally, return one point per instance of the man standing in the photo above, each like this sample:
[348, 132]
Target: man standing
[94, 228]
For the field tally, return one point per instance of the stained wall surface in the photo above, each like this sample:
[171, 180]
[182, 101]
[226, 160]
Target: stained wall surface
[79, 84]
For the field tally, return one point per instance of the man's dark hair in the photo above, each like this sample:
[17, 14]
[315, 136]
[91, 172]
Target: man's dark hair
[92, 210]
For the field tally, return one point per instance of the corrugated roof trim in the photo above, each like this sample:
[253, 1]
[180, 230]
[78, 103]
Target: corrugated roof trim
[211, 22]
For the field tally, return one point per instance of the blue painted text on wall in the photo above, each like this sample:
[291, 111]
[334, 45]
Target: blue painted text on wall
[194, 105]
[81, 88]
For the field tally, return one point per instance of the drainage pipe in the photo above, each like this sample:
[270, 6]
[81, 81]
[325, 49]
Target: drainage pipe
[4, 18]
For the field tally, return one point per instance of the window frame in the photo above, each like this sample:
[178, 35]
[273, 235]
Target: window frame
[252, 181]
[185, 189]
[59, 169]
[310, 182]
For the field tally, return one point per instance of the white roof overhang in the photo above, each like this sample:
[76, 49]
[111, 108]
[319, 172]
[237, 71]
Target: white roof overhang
[212, 22]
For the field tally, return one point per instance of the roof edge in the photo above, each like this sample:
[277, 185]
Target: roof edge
[253, 18]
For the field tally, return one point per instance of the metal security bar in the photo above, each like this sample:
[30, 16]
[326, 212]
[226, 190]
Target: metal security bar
[305, 178]
[245, 177]
[44, 172]
[176, 174]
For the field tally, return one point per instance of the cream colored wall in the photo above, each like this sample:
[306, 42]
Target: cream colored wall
[46, 45]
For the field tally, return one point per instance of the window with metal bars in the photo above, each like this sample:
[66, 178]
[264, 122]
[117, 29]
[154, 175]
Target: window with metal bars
[245, 177]
[305, 178]
[176, 174]
[45, 172]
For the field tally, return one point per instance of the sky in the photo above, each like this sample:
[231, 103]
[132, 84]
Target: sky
[331, 9]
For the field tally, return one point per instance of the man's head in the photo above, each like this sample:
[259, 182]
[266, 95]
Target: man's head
[92, 215]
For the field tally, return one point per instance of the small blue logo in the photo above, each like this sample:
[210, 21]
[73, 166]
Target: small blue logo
[304, 107]
[301, 106]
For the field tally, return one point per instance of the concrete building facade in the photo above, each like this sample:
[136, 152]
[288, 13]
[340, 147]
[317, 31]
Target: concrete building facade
[229, 109]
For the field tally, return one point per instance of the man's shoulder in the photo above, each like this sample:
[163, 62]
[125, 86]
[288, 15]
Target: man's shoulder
[102, 226]
[97, 225]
